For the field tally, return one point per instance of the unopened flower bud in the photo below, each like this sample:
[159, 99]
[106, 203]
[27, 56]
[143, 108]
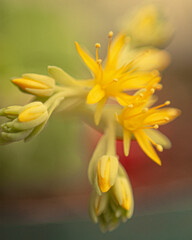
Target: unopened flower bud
[25, 120]
[10, 112]
[98, 204]
[39, 85]
[107, 169]
[123, 193]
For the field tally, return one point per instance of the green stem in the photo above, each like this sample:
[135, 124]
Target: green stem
[111, 138]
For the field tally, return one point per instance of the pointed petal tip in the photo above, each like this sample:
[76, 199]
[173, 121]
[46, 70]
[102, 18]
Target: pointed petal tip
[126, 153]
[77, 45]
[97, 121]
[159, 163]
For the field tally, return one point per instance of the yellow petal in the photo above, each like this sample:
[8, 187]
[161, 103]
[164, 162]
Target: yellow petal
[103, 171]
[124, 99]
[98, 111]
[89, 61]
[158, 138]
[107, 170]
[162, 116]
[145, 144]
[32, 112]
[155, 59]
[137, 80]
[28, 83]
[95, 95]
[115, 49]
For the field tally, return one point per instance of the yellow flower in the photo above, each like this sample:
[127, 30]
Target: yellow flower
[137, 119]
[36, 84]
[113, 79]
[148, 25]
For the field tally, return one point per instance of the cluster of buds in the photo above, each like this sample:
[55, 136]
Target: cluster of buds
[112, 198]
[24, 121]
[117, 101]
[115, 205]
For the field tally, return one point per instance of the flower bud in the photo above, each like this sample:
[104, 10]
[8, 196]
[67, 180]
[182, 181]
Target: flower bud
[148, 25]
[107, 169]
[39, 85]
[98, 204]
[27, 120]
[123, 193]
[10, 112]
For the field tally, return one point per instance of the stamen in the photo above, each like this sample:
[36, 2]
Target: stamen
[99, 61]
[166, 119]
[159, 86]
[152, 127]
[160, 121]
[160, 106]
[97, 45]
[110, 40]
[158, 146]
[130, 106]
[167, 102]
[152, 90]
[110, 34]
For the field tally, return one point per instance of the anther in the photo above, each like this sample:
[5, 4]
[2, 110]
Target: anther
[156, 126]
[97, 45]
[152, 90]
[141, 95]
[130, 106]
[166, 119]
[99, 61]
[115, 80]
[159, 86]
[167, 102]
[159, 148]
[110, 34]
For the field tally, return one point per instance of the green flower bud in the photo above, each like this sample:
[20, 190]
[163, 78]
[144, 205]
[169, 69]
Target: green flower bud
[25, 121]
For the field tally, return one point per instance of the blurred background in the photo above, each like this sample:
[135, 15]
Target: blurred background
[44, 190]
